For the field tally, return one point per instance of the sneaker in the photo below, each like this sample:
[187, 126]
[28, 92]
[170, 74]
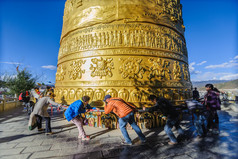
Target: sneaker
[172, 143]
[86, 138]
[125, 143]
[41, 129]
[198, 138]
[215, 131]
[49, 133]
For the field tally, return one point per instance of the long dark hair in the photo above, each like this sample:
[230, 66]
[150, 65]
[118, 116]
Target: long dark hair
[209, 86]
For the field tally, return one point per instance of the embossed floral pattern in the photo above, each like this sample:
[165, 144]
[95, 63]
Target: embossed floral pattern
[131, 68]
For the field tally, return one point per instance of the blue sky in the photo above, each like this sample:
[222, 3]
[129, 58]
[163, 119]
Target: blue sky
[30, 33]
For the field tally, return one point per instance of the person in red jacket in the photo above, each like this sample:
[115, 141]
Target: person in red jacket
[125, 112]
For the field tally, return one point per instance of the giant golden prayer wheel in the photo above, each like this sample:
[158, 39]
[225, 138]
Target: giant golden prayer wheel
[125, 48]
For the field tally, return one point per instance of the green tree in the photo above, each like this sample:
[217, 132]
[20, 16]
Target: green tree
[2, 83]
[23, 81]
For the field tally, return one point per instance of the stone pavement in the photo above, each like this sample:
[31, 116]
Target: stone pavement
[16, 141]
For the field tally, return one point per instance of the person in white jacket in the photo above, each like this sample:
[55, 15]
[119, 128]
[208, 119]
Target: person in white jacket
[40, 112]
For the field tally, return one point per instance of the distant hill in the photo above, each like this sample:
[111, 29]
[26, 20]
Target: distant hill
[201, 84]
[220, 84]
[228, 85]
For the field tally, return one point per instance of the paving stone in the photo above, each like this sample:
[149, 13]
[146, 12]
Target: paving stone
[11, 151]
[62, 145]
[29, 144]
[45, 154]
[7, 145]
[64, 157]
[37, 148]
[204, 155]
[19, 156]
[123, 151]
[180, 157]
[93, 155]
[72, 151]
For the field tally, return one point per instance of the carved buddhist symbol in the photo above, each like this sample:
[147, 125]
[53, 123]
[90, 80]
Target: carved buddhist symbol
[112, 92]
[131, 68]
[60, 73]
[159, 69]
[103, 67]
[71, 94]
[135, 95]
[185, 72]
[79, 93]
[177, 71]
[76, 71]
[89, 92]
[99, 94]
[124, 94]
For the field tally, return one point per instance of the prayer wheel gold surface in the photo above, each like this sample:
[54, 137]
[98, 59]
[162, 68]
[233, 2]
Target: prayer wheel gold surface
[125, 48]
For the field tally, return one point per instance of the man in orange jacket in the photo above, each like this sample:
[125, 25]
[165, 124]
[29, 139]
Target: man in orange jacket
[125, 112]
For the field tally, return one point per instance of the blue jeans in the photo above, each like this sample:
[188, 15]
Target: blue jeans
[168, 128]
[131, 120]
[200, 124]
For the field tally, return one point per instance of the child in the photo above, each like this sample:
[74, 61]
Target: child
[73, 113]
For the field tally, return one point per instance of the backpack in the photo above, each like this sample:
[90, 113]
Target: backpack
[194, 105]
[20, 97]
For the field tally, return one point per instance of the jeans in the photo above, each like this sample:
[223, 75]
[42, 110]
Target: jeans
[47, 122]
[168, 128]
[131, 120]
[200, 123]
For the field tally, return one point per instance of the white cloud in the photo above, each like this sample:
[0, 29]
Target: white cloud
[224, 65]
[203, 62]
[231, 63]
[229, 77]
[12, 63]
[50, 67]
[214, 76]
[192, 69]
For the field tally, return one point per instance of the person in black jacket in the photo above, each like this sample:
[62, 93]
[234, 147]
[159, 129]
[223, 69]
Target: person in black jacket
[195, 94]
[169, 113]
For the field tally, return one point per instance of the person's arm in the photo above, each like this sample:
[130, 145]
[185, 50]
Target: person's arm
[154, 108]
[53, 103]
[89, 107]
[108, 108]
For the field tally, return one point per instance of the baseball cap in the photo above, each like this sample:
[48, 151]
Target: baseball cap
[106, 97]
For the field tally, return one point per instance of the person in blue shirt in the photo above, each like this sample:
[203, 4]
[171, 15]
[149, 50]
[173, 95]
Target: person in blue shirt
[73, 113]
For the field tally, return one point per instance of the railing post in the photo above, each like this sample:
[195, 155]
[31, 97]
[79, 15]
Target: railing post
[4, 102]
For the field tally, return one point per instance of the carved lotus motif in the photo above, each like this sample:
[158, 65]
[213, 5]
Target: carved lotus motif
[131, 68]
